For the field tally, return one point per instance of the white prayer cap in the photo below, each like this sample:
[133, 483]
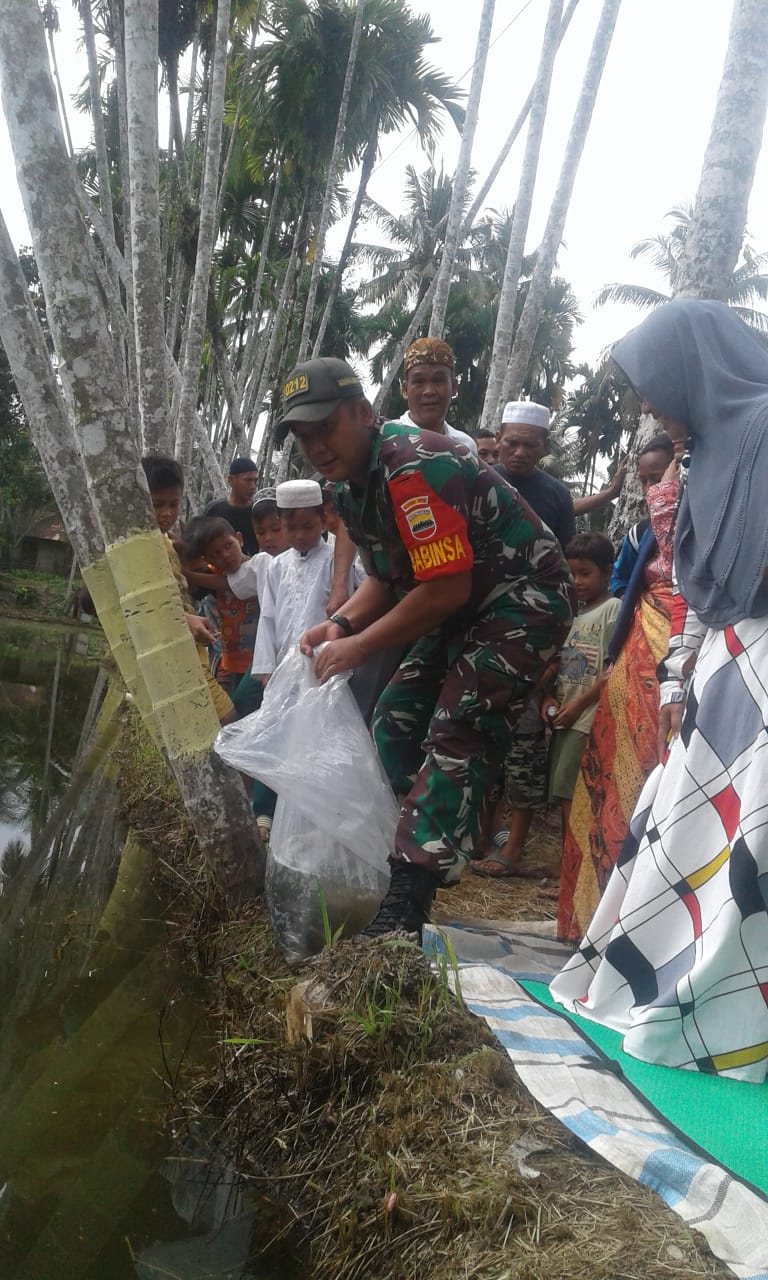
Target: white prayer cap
[525, 412]
[292, 494]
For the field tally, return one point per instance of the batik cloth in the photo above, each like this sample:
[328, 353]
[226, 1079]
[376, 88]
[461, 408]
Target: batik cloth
[428, 509]
[676, 956]
[620, 753]
[621, 749]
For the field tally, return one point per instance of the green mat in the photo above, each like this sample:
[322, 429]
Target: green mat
[725, 1119]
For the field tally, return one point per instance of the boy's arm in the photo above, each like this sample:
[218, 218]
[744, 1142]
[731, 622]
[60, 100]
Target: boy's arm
[569, 712]
[265, 648]
[343, 555]
[202, 631]
[208, 581]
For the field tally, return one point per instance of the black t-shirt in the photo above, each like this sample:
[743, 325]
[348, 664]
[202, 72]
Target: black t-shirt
[240, 519]
[549, 498]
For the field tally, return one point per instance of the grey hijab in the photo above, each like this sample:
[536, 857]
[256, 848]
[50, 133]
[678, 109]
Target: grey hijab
[696, 361]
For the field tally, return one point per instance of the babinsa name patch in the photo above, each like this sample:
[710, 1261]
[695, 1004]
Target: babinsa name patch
[444, 551]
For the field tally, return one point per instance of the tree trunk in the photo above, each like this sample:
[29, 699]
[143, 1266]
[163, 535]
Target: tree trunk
[333, 173]
[230, 391]
[148, 275]
[251, 350]
[99, 136]
[416, 320]
[281, 311]
[369, 159]
[505, 317]
[116, 18]
[172, 75]
[716, 231]
[553, 232]
[24, 344]
[461, 176]
[206, 240]
[498, 163]
[135, 567]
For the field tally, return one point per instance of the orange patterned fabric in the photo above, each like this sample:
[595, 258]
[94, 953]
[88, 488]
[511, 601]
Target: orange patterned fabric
[620, 753]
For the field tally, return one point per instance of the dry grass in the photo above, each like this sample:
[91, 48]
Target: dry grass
[398, 1137]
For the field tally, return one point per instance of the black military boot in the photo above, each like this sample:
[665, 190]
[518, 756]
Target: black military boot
[405, 907]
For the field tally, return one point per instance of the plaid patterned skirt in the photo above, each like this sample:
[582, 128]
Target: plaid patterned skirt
[676, 955]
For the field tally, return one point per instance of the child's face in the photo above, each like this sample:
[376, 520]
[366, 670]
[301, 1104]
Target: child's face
[225, 552]
[650, 469]
[166, 504]
[270, 534]
[589, 579]
[331, 517]
[304, 528]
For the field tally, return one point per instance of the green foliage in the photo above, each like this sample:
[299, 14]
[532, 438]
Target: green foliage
[748, 284]
[402, 273]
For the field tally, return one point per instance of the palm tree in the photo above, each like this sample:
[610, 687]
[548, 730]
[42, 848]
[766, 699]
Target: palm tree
[206, 239]
[525, 332]
[505, 322]
[403, 269]
[462, 176]
[333, 171]
[716, 230]
[90, 455]
[472, 305]
[665, 252]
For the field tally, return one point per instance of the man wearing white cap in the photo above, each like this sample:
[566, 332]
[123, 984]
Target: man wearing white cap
[298, 582]
[522, 445]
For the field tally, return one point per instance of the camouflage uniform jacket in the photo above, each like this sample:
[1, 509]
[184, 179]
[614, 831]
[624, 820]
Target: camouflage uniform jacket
[429, 509]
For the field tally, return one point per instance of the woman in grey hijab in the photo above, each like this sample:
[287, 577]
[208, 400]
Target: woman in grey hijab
[696, 365]
[676, 955]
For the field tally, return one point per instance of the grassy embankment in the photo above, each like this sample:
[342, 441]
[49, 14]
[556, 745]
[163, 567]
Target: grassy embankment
[362, 1096]
[40, 597]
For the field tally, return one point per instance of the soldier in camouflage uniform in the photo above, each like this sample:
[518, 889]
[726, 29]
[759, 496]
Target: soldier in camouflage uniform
[462, 571]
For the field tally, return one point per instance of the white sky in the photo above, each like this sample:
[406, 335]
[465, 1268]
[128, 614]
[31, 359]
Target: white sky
[642, 157]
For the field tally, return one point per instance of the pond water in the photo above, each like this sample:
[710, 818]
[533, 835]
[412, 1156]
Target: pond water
[97, 1023]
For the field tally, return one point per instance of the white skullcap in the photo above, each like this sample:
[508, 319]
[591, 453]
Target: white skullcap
[293, 494]
[525, 411]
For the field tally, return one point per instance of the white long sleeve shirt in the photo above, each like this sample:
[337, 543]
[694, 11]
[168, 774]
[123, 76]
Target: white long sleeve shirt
[249, 580]
[294, 598]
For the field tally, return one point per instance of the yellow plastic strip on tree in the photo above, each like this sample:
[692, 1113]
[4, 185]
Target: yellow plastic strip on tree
[101, 587]
[166, 657]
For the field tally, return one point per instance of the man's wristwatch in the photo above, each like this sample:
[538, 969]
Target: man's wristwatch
[341, 621]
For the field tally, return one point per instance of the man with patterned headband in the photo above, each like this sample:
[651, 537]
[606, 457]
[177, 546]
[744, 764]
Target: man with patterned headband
[429, 384]
[462, 571]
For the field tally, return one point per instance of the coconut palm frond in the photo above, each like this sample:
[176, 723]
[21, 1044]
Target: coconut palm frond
[637, 295]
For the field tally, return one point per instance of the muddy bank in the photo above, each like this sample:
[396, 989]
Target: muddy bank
[362, 1095]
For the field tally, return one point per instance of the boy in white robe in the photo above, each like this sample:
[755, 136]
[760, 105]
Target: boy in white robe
[298, 582]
